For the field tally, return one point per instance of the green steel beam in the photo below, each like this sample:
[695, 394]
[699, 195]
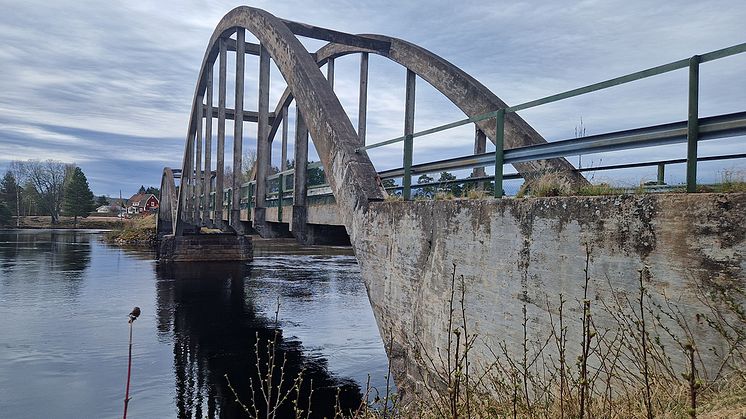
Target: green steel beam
[661, 173]
[653, 71]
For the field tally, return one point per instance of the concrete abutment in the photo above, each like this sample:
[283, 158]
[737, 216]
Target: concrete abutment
[527, 252]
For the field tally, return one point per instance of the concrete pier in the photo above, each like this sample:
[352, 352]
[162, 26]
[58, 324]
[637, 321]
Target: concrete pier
[205, 248]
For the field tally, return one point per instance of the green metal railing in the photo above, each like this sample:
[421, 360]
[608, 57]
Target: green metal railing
[692, 132]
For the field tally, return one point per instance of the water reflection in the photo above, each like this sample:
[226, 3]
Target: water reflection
[67, 253]
[208, 312]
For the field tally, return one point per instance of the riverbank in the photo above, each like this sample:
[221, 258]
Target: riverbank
[45, 222]
[137, 231]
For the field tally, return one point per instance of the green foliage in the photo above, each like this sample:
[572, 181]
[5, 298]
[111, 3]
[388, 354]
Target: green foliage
[102, 200]
[316, 176]
[153, 190]
[9, 191]
[141, 190]
[78, 201]
[389, 183]
[427, 191]
[454, 189]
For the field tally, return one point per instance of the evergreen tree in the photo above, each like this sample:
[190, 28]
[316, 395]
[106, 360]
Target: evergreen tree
[102, 200]
[5, 214]
[153, 190]
[78, 196]
[453, 188]
[10, 193]
[426, 191]
[141, 190]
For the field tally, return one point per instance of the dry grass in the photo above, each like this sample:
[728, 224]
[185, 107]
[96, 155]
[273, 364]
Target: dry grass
[91, 222]
[137, 231]
[641, 361]
[731, 181]
[549, 184]
[477, 194]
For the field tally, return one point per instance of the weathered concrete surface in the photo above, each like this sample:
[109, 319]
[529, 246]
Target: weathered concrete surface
[516, 251]
[323, 214]
[205, 248]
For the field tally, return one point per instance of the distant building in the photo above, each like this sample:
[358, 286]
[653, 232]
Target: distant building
[141, 203]
[104, 209]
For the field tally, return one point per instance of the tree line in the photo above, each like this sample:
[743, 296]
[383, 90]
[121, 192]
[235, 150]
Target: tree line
[50, 188]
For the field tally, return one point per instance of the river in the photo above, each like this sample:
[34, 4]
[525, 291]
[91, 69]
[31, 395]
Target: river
[64, 300]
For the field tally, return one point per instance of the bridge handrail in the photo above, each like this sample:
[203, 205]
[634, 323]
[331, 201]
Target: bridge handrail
[710, 128]
[653, 71]
[499, 114]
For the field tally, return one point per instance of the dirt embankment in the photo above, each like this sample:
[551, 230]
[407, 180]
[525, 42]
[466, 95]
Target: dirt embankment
[92, 222]
[137, 231]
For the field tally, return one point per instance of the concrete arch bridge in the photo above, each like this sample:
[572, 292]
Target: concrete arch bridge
[510, 252]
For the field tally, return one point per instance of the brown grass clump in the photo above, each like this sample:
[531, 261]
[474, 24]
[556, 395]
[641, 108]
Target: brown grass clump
[137, 231]
[731, 181]
[548, 184]
[642, 362]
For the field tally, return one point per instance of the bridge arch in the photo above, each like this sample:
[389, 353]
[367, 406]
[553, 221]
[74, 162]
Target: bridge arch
[350, 174]
[467, 93]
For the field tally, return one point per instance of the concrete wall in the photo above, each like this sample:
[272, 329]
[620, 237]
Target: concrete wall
[516, 251]
[323, 214]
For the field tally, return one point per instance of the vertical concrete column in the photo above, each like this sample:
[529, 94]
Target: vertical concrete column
[330, 71]
[208, 151]
[186, 181]
[284, 162]
[262, 144]
[408, 131]
[235, 219]
[198, 166]
[480, 146]
[220, 169]
[300, 190]
[362, 109]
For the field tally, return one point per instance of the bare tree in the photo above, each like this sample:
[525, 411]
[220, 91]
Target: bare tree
[247, 165]
[48, 179]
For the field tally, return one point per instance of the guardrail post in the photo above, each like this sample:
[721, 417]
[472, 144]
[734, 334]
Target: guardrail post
[661, 173]
[499, 157]
[692, 132]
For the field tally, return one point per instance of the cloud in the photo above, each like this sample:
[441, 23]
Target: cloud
[109, 85]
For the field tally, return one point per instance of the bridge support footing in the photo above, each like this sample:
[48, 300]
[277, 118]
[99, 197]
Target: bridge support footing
[266, 229]
[205, 248]
[311, 234]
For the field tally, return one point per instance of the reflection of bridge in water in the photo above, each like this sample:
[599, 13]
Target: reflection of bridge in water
[511, 252]
[211, 312]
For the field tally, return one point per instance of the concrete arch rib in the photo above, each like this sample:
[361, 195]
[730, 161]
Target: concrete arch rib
[351, 175]
[167, 209]
[468, 94]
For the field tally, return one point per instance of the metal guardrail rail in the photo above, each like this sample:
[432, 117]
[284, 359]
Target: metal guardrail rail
[691, 131]
[710, 128]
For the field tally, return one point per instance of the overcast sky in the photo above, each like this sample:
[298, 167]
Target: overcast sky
[108, 85]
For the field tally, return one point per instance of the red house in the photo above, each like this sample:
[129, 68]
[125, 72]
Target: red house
[143, 203]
